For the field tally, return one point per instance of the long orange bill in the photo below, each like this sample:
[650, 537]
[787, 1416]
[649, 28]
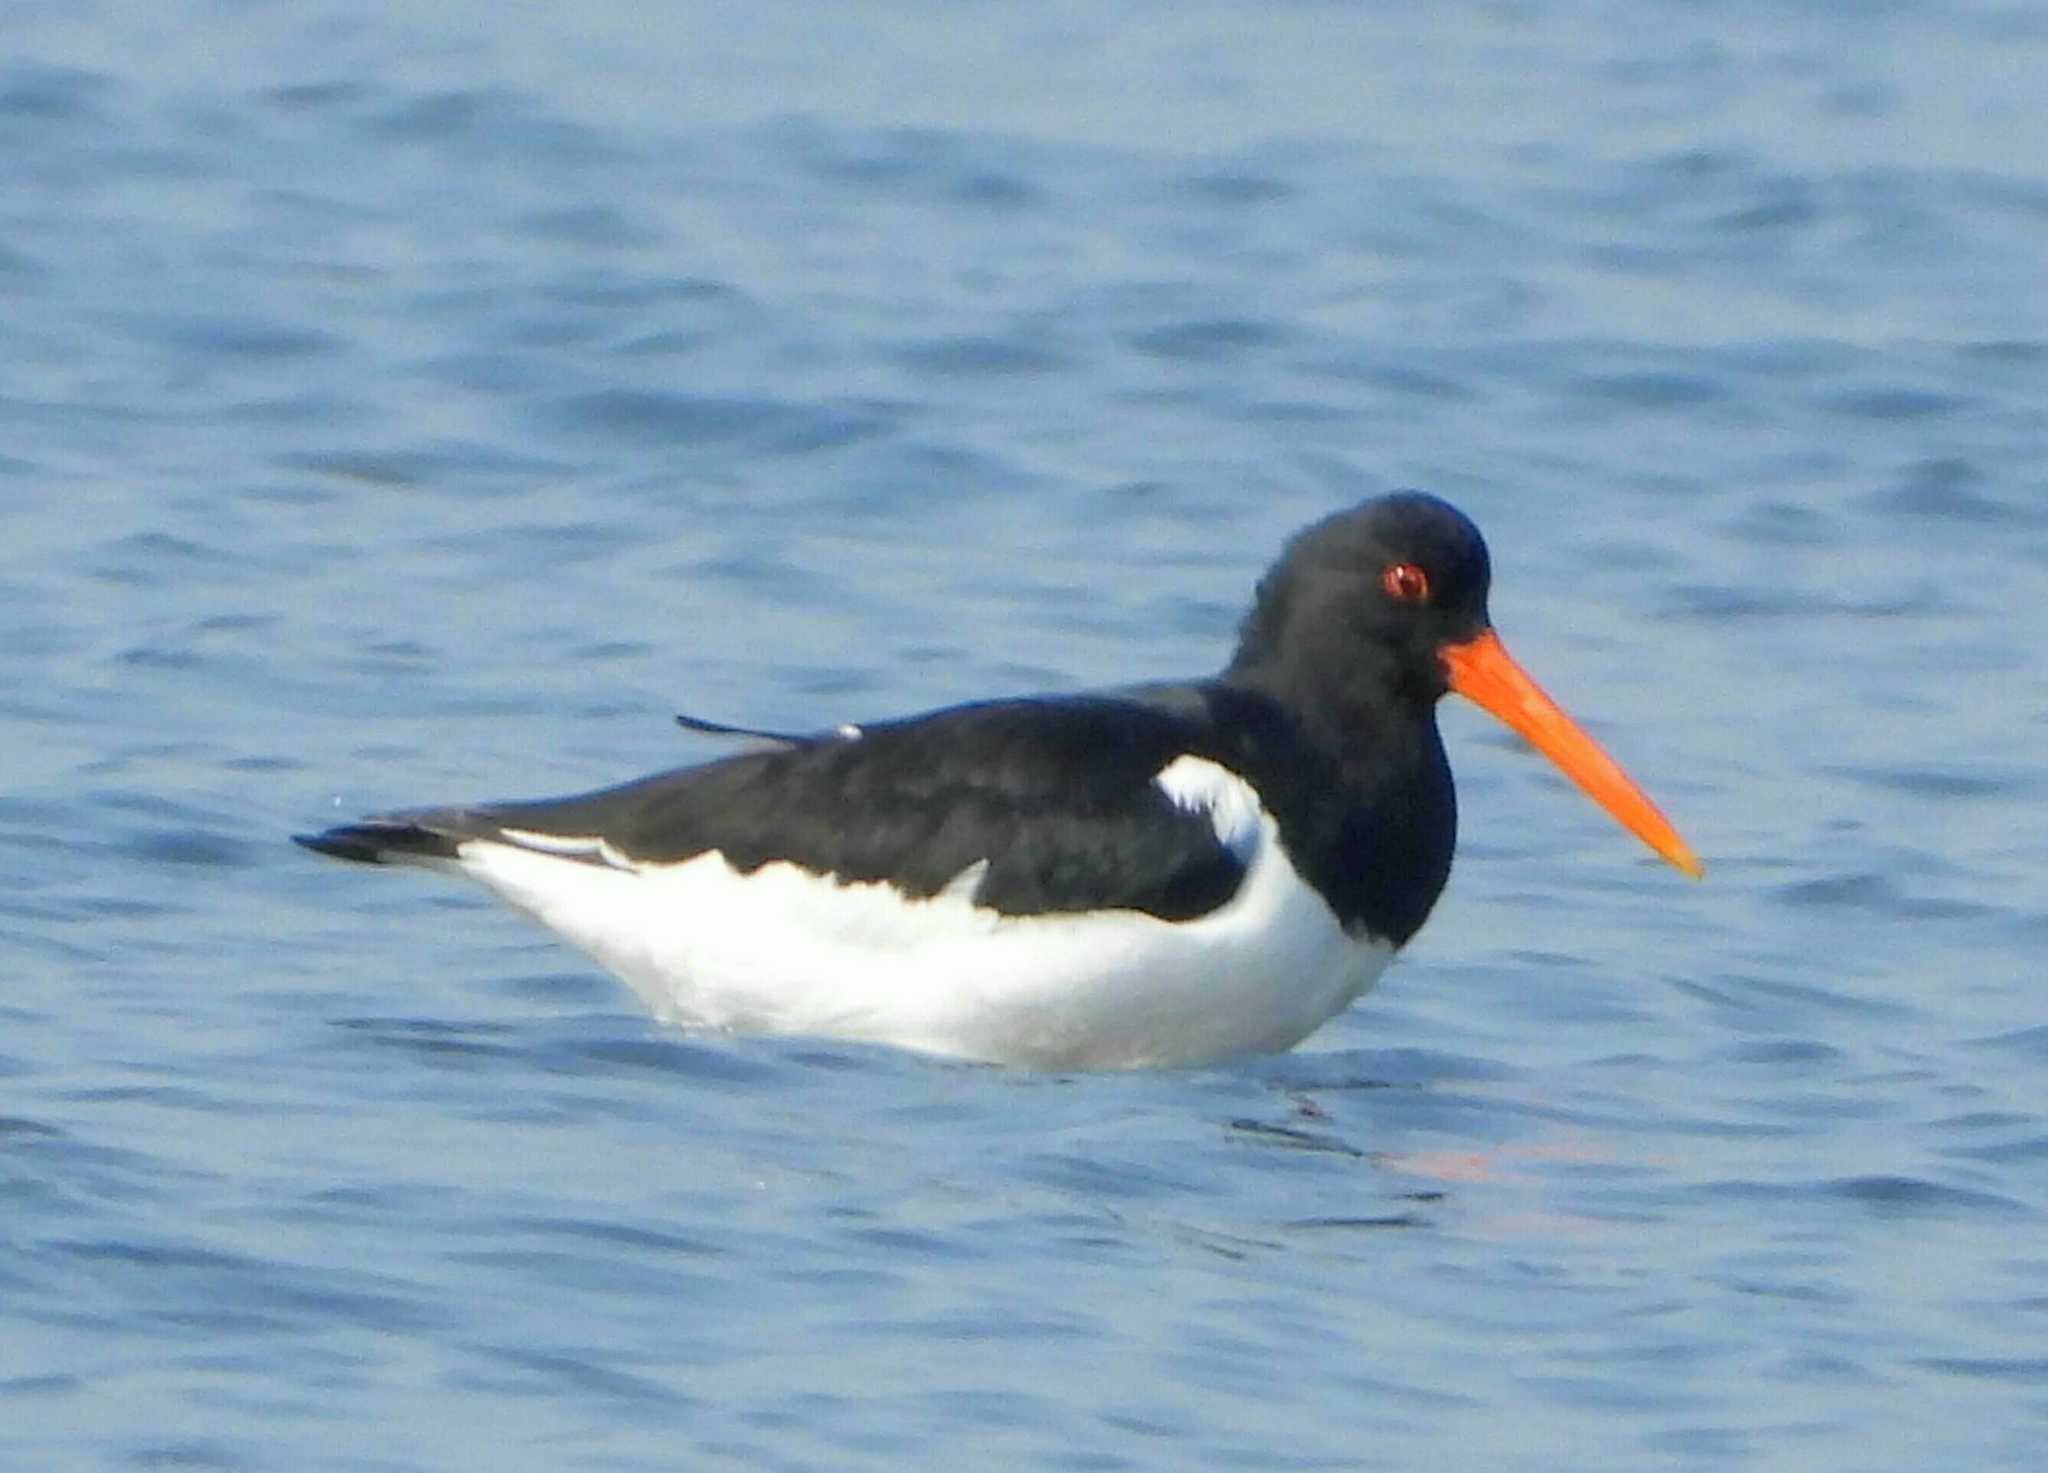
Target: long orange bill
[1482, 671]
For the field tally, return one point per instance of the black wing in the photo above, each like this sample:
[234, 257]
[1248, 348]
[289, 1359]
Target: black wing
[1056, 798]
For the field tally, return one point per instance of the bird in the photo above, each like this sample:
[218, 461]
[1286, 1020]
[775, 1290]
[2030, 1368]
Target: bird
[1170, 874]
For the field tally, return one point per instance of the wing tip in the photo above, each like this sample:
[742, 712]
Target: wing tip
[375, 842]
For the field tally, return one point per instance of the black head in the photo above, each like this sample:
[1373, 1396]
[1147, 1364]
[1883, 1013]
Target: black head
[1373, 614]
[1368, 598]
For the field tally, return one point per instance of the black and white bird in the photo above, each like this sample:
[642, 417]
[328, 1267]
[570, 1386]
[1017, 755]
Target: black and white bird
[1167, 875]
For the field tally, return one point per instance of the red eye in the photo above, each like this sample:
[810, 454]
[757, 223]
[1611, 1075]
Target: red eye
[1405, 583]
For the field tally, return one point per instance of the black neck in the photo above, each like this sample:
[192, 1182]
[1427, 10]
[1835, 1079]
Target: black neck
[1361, 790]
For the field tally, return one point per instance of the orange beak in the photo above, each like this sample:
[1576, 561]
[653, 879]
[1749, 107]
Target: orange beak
[1482, 671]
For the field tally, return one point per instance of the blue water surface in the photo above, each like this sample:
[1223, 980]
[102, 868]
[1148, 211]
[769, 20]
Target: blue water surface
[406, 403]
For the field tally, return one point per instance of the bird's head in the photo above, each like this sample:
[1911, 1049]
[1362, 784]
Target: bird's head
[1383, 607]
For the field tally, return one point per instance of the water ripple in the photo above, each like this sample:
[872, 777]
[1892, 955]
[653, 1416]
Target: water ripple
[432, 411]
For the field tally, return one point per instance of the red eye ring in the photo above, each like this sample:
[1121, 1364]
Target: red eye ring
[1405, 583]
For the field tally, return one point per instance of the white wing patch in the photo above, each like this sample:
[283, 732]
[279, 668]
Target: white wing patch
[1232, 807]
[964, 885]
[569, 847]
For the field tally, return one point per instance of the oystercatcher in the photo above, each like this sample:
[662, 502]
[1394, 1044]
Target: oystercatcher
[1166, 875]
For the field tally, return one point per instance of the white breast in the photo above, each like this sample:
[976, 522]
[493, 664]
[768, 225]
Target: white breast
[785, 950]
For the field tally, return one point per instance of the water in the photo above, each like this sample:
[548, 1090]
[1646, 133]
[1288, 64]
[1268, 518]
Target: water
[401, 407]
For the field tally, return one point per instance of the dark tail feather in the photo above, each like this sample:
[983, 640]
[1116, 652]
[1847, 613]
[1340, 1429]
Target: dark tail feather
[376, 841]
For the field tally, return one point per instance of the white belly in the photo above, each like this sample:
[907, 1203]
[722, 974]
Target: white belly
[784, 950]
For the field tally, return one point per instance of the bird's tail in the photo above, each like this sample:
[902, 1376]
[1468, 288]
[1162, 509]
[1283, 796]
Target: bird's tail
[398, 840]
